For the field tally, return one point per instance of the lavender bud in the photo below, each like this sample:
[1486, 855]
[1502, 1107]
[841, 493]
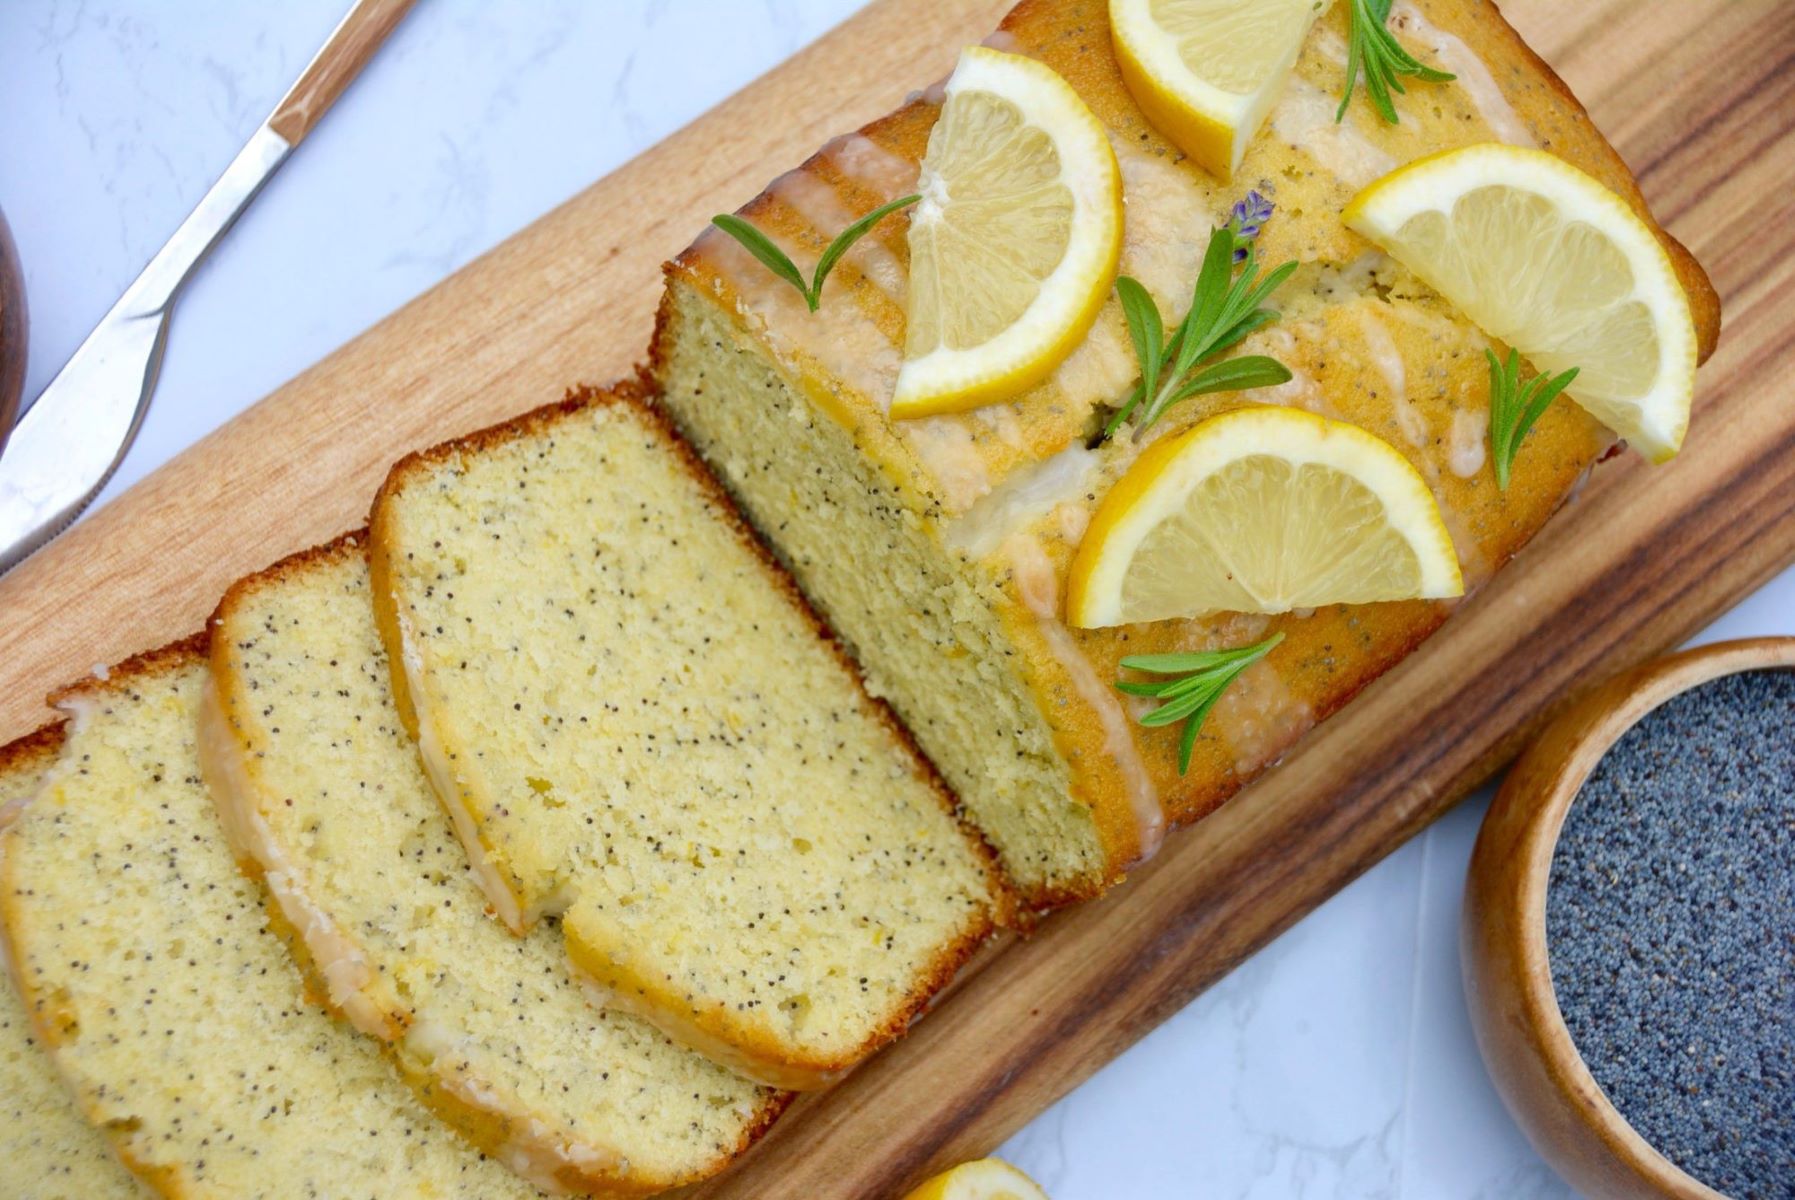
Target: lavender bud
[1246, 219]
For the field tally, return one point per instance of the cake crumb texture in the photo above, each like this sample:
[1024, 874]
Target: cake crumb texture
[48, 1151]
[647, 732]
[493, 1028]
[146, 960]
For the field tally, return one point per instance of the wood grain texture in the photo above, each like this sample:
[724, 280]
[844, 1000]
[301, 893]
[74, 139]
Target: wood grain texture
[352, 43]
[568, 300]
[1508, 972]
[1641, 559]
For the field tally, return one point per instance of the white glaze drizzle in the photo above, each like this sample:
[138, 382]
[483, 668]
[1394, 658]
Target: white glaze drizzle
[444, 780]
[945, 447]
[1005, 41]
[1168, 219]
[1257, 716]
[1102, 366]
[1388, 361]
[1474, 77]
[1002, 421]
[1026, 496]
[1467, 453]
[1304, 118]
[885, 174]
[349, 979]
[822, 207]
[839, 338]
[1301, 390]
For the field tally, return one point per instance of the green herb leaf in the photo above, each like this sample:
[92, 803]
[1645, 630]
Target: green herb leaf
[845, 240]
[777, 261]
[762, 247]
[1516, 406]
[1225, 308]
[1371, 46]
[1234, 375]
[1195, 682]
[1145, 329]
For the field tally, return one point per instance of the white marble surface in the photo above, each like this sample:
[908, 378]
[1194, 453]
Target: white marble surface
[1337, 1063]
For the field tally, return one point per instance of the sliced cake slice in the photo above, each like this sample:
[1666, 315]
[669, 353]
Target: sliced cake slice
[147, 962]
[321, 790]
[48, 1149]
[636, 723]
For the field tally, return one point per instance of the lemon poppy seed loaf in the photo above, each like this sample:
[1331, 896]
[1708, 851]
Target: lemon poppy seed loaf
[48, 1150]
[321, 789]
[146, 960]
[638, 725]
[938, 547]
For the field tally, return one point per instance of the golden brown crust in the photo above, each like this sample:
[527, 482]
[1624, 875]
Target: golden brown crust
[343, 546]
[36, 750]
[149, 664]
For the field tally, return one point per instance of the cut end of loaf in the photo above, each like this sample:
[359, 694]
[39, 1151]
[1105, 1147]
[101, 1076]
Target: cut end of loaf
[653, 737]
[919, 623]
[331, 805]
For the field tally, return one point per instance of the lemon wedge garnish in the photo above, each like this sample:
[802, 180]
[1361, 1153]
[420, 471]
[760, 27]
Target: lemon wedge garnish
[1205, 72]
[1546, 259]
[984, 1179]
[1261, 510]
[1014, 245]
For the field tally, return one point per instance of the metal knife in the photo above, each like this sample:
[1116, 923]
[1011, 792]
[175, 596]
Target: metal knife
[68, 443]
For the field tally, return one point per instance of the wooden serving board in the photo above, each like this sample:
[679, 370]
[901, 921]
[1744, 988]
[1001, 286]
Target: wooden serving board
[1699, 95]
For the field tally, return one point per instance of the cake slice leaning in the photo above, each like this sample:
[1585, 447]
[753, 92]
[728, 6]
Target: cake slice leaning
[321, 790]
[147, 963]
[938, 547]
[637, 724]
[48, 1149]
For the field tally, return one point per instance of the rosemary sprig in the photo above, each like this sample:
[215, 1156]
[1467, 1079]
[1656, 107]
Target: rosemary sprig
[1224, 309]
[1193, 683]
[1515, 406]
[777, 261]
[1371, 45]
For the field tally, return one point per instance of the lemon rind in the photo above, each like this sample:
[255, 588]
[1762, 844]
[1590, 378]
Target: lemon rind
[1384, 206]
[1194, 114]
[947, 380]
[1154, 487]
[977, 1180]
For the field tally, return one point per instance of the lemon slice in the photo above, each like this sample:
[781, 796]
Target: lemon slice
[1261, 510]
[1554, 264]
[984, 1179]
[1207, 71]
[1014, 245]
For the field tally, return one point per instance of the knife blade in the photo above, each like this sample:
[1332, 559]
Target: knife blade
[72, 439]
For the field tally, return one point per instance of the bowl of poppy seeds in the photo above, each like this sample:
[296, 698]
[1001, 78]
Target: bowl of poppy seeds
[1629, 931]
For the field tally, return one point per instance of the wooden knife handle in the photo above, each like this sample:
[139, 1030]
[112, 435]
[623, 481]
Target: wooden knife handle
[351, 45]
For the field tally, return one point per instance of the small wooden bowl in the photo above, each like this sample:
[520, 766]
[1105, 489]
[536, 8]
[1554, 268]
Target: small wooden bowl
[1508, 978]
[12, 331]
